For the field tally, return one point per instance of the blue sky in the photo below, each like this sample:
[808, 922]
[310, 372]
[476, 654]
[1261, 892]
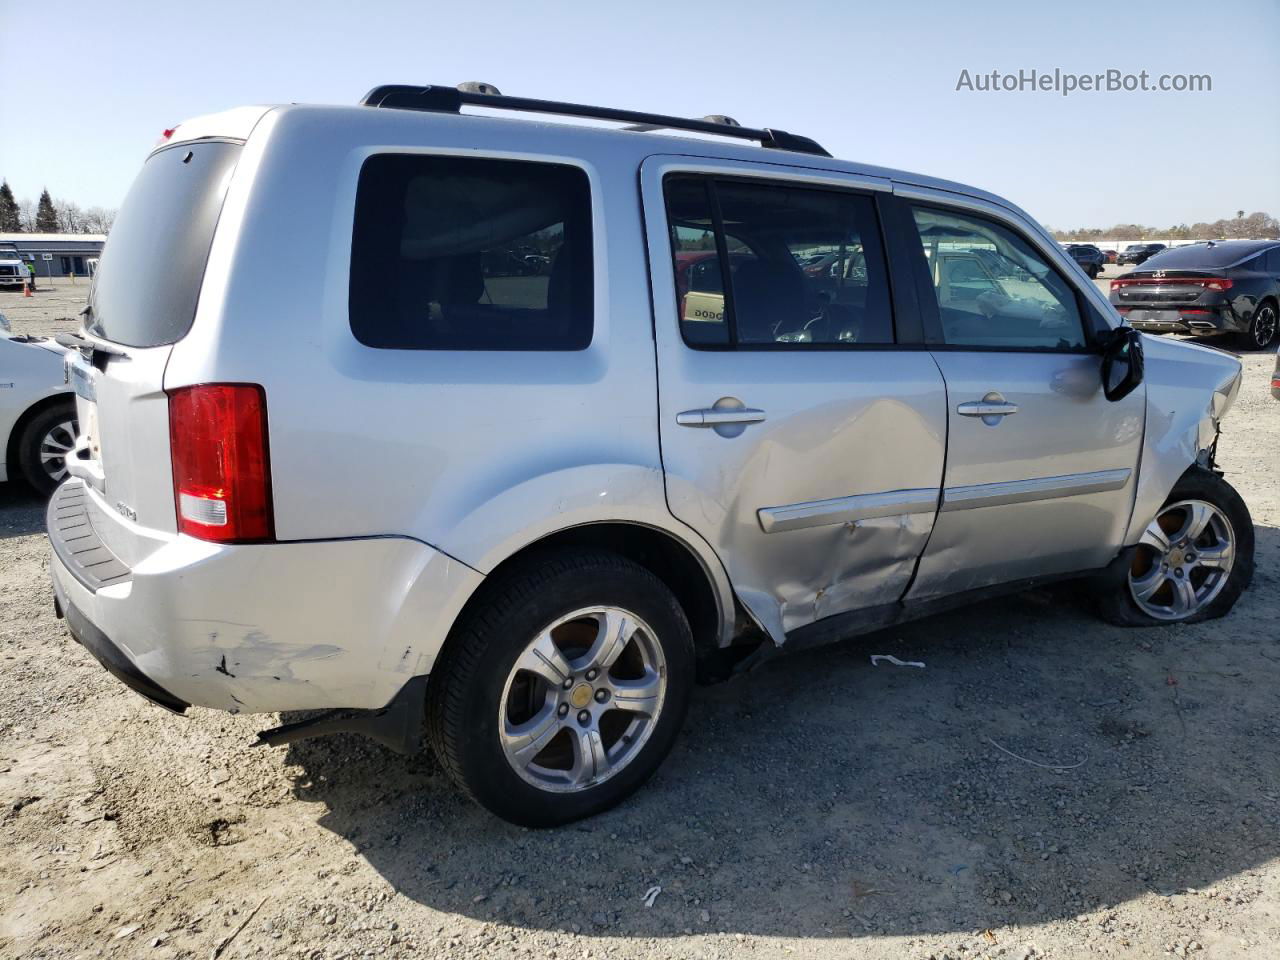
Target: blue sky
[870, 81]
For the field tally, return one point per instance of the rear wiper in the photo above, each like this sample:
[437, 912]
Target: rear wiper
[89, 346]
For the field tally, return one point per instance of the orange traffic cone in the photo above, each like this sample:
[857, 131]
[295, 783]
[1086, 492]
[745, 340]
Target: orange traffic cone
[26, 289]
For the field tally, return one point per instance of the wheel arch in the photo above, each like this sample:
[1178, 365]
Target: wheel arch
[695, 576]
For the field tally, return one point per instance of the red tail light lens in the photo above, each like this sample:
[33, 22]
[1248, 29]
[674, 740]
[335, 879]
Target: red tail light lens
[221, 472]
[1209, 283]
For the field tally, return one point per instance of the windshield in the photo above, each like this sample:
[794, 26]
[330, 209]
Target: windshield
[145, 291]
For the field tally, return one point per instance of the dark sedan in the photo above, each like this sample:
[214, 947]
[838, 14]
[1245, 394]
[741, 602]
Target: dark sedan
[1232, 286]
[1137, 253]
[1089, 257]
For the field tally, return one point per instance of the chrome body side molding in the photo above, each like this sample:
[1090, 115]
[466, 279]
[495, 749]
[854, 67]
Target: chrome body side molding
[1040, 488]
[866, 506]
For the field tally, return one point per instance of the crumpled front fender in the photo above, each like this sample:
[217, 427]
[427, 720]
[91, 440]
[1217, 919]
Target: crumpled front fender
[1189, 388]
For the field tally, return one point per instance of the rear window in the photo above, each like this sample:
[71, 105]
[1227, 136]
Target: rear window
[464, 253]
[144, 293]
[1202, 256]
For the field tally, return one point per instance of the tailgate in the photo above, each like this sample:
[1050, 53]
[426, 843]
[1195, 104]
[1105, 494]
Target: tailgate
[142, 301]
[123, 450]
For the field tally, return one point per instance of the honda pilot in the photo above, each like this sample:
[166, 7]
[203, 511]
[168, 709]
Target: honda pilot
[497, 433]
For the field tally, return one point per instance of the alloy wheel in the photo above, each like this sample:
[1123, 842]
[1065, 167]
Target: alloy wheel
[1264, 325]
[582, 699]
[1183, 560]
[54, 447]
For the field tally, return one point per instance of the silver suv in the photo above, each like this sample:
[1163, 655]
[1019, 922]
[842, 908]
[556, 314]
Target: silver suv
[519, 427]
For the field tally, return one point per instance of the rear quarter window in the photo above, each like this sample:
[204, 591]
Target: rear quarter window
[463, 253]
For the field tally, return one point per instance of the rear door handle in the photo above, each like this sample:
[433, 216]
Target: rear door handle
[715, 416]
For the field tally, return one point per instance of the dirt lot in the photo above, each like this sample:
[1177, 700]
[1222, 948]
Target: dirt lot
[820, 807]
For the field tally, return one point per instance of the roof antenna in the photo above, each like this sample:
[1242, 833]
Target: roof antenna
[479, 86]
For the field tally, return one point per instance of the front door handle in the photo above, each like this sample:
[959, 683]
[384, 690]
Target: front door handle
[990, 408]
[718, 416]
[981, 408]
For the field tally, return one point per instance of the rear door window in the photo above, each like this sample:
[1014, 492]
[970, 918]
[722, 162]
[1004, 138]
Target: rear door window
[145, 291]
[463, 253]
[805, 265]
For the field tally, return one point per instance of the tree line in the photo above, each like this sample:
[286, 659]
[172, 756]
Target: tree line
[1255, 226]
[47, 215]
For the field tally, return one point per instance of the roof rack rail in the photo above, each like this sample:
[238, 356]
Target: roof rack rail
[440, 99]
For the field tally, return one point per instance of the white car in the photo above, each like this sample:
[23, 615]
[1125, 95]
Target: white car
[37, 411]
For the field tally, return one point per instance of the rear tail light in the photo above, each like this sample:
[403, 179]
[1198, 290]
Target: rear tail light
[221, 472]
[1208, 283]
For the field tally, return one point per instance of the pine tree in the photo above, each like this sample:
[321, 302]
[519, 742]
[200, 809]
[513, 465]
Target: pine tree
[10, 216]
[46, 215]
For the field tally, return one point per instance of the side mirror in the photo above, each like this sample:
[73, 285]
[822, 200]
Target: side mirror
[1122, 363]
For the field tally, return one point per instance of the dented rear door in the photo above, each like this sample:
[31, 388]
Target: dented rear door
[813, 466]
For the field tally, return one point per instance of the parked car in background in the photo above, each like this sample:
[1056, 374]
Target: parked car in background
[1228, 286]
[1275, 379]
[1139, 252]
[1110, 255]
[37, 411]
[604, 491]
[1089, 257]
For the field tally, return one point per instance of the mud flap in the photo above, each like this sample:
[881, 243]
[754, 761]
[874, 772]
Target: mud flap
[397, 726]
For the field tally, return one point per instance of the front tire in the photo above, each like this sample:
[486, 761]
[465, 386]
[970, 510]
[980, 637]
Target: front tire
[43, 447]
[562, 688]
[1193, 561]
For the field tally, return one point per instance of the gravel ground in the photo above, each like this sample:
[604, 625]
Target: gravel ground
[53, 308]
[820, 807]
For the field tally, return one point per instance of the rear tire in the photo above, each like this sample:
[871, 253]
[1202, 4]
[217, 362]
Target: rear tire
[45, 440]
[1184, 584]
[1262, 327]
[525, 707]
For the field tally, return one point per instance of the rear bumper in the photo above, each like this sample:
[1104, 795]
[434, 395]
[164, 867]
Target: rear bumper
[254, 628]
[116, 662]
[1161, 318]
